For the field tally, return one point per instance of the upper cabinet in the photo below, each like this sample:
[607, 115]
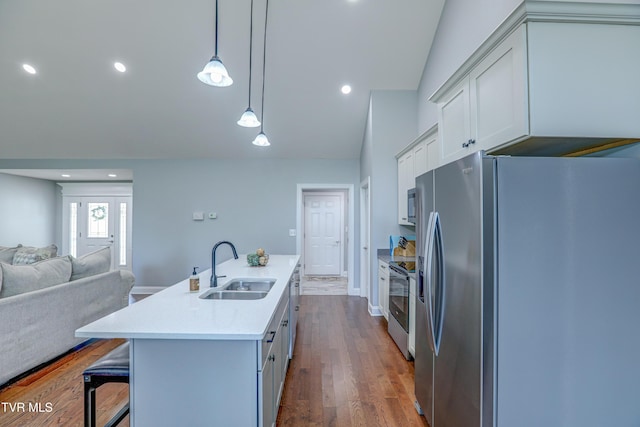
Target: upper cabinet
[417, 158]
[553, 79]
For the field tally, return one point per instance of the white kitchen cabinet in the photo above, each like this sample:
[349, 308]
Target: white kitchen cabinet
[412, 316]
[489, 105]
[273, 370]
[553, 79]
[405, 176]
[417, 158]
[383, 287]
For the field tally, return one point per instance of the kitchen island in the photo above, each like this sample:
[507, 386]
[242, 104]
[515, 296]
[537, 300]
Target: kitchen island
[203, 362]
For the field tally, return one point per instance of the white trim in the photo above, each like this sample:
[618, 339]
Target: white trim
[375, 311]
[365, 239]
[351, 289]
[96, 188]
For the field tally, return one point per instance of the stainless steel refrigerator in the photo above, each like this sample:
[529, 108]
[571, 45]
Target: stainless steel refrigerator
[528, 299]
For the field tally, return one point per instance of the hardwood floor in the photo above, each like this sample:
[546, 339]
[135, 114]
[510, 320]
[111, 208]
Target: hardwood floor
[56, 393]
[346, 371]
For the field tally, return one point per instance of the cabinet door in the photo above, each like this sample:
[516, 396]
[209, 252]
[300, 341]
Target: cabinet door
[383, 287]
[405, 176]
[453, 124]
[498, 94]
[412, 316]
[420, 161]
[268, 401]
[433, 152]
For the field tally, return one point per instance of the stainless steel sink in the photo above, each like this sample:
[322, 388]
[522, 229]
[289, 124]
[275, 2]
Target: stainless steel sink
[233, 295]
[244, 285]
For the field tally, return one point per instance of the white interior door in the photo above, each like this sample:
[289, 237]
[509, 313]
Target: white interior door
[96, 222]
[323, 217]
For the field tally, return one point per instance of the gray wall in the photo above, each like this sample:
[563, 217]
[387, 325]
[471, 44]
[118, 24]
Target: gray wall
[28, 211]
[255, 200]
[391, 126]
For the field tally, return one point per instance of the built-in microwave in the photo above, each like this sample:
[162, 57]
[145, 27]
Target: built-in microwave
[411, 205]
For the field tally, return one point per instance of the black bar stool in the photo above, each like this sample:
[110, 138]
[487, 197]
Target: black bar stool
[113, 367]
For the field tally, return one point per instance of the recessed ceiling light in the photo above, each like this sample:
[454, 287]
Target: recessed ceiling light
[119, 66]
[112, 175]
[66, 175]
[29, 69]
[346, 89]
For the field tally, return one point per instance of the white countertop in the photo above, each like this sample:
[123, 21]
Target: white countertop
[176, 313]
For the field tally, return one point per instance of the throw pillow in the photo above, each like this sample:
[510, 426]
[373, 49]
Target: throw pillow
[7, 253]
[18, 279]
[30, 254]
[91, 264]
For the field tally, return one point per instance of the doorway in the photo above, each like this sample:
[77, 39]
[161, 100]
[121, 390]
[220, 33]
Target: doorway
[96, 216]
[325, 241]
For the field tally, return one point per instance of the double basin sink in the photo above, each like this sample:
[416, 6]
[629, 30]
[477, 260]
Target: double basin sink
[241, 289]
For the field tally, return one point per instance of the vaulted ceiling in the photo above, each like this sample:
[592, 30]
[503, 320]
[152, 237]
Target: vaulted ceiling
[77, 106]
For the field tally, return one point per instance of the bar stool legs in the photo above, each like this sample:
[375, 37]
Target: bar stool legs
[113, 367]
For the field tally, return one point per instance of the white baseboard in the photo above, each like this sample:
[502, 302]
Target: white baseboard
[375, 311]
[353, 292]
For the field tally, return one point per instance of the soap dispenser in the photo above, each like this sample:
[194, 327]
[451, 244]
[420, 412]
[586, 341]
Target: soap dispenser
[194, 281]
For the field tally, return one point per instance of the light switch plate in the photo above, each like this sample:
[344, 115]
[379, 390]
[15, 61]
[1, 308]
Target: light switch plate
[198, 216]
[213, 215]
[292, 232]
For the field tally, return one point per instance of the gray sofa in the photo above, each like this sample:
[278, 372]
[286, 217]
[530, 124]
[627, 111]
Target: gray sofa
[38, 317]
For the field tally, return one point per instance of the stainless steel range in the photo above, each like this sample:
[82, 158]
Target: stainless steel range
[398, 325]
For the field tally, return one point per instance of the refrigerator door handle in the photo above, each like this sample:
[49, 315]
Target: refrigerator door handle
[429, 248]
[441, 283]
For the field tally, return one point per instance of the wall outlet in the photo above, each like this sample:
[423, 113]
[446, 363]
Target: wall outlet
[198, 216]
[213, 215]
[292, 232]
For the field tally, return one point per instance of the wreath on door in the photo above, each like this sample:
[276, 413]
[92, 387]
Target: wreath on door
[99, 213]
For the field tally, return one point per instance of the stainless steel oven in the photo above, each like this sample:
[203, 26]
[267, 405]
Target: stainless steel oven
[398, 325]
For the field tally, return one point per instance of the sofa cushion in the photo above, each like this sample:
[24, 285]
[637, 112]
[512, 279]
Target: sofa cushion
[7, 253]
[29, 254]
[91, 264]
[18, 279]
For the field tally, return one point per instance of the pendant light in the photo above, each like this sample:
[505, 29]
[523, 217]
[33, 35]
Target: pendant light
[215, 73]
[249, 119]
[262, 140]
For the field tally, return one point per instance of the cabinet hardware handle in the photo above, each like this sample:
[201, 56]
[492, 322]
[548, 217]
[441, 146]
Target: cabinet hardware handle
[297, 307]
[273, 334]
[468, 143]
[382, 278]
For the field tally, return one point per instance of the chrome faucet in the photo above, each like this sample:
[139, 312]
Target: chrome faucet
[214, 278]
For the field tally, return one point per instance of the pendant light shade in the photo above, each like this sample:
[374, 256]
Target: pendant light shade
[249, 119]
[215, 73]
[261, 140]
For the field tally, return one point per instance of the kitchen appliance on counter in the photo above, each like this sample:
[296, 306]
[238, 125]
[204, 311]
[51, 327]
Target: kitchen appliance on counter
[527, 291]
[398, 324]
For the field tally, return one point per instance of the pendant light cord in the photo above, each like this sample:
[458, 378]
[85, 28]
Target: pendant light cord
[264, 62]
[250, 49]
[216, 42]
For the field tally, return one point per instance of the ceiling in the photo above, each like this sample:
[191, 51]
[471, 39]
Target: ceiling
[77, 106]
